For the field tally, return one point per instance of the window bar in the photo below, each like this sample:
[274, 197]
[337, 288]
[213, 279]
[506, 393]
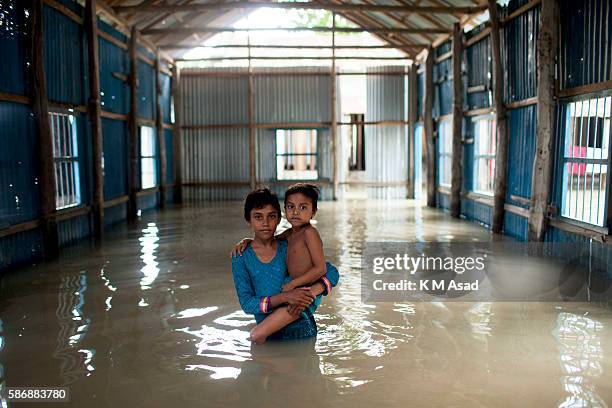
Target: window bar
[61, 184]
[605, 142]
[588, 139]
[596, 101]
[68, 162]
[567, 162]
[578, 138]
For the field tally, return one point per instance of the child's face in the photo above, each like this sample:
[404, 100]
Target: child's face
[298, 209]
[264, 222]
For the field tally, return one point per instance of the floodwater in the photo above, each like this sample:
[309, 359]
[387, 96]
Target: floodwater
[149, 318]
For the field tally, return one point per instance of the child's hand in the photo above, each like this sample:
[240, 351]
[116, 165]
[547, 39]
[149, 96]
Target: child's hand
[295, 310]
[288, 287]
[240, 247]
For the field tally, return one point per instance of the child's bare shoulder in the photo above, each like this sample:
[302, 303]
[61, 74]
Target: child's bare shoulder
[310, 232]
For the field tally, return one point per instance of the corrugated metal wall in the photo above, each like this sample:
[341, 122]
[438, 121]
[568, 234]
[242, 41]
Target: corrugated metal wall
[478, 63]
[586, 42]
[114, 139]
[221, 155]
[13, 48]
[518, 49]
[114, 92]
[386, 152]
[521, 148]
[146, 91]
[443, 83]
[65, 58]
[66, 68]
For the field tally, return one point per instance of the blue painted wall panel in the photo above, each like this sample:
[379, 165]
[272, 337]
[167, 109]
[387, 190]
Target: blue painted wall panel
[515, 226]
[13, 47]
[478, 59]
[73, 229]
[114, 92]
[169, 156]
[18, 165]
[115, 214]
[146, 91]
[65, 58]
[19, 249]
[518, 48]
[586, 38]
[521, 152]
[114, 138]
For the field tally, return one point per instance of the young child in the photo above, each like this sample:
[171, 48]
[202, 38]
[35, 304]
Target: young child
[305, 258]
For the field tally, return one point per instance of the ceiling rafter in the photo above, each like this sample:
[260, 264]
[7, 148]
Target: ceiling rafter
[334, 6]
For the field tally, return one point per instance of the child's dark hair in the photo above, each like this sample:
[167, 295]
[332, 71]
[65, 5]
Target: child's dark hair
[259, 199]
[309, 190]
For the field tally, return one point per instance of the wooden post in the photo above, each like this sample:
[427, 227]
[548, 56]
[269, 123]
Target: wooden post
[501, 150]
[412, 118]
[252, 168]
[161, 140]
[428, 129]
[40, 108]
[177, 138]
[542, 165]
[457, 164]
[133, 127]
[334, 113]
[95, 117]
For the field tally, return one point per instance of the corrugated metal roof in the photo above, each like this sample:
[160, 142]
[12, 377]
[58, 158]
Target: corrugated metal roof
[387, 19]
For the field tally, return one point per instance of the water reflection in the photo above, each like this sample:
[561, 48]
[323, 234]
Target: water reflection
[581, 356]
[73, 326]
[149, 242]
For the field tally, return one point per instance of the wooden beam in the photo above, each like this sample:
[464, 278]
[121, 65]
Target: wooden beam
[375, 30]
[64, 10]
[428, 128]
[161, 140]
[95, 117]
[225, 74]
[478, 37]
[344, 7]
[334, 113]
[133, 128]
[9, 97]
[296, 58]
[412, 118]
[585, 89]
[40, 109]
[501, 150]
[457, 161]
[543, 163]
[388, 38]
[177, 138]
[283, 46]
[521, 10]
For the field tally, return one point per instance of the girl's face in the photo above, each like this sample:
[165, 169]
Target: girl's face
[298, 209]
[264, 222]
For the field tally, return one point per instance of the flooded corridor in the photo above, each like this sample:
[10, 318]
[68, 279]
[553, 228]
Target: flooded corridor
[150, 318]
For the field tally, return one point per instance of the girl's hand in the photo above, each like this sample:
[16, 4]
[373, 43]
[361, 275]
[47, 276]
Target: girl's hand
[301, 297]
[295, 310]
[240, 247]
[288, 287]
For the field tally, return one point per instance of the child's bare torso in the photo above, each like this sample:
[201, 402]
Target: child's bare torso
[299, 260]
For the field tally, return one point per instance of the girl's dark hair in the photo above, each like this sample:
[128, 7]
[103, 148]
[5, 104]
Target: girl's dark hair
[259, 199]
[309, 190]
